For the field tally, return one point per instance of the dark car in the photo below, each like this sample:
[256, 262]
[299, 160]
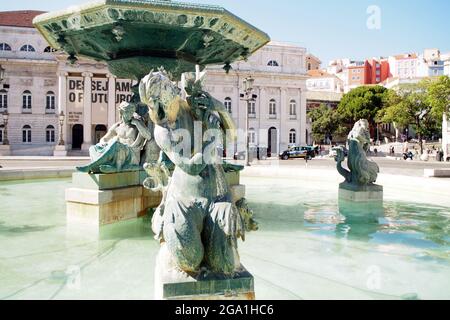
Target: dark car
[305, 152]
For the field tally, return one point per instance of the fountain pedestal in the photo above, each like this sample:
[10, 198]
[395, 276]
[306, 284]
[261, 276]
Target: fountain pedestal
[5, 150]
[60, 151]
[100, 199]
[360, 193]
[173, 284]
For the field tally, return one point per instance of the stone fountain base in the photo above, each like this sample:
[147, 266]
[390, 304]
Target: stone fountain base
[174, 284]
[101, 199]
[366, 193]
[5, 150]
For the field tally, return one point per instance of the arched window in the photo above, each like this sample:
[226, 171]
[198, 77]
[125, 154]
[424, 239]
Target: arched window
[2, 128]
[292, 136]
[272, 107]
[26, 134]
[228, 105]
[252, 108]
[5, 47]
[3, 99]
[50, 102]
[27, 48]
[50, 134]
[49, 49]
[273, 63]
[309, 66]
[292, 108]
[251, 136]
[26, 100]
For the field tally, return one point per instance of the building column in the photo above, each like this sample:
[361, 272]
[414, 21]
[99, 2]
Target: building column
[283, 141]
[87, 111]
[62, 107]
[111, 100]
[302, 116]
[261, 113]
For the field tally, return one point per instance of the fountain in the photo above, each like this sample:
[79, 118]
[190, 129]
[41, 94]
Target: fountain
[359, 184]
[202, 211]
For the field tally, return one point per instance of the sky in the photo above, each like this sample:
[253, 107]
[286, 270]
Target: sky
[329, 29]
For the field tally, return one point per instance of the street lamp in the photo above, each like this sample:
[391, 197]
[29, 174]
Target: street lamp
[61, 124]
[5, 117]
[248, 97]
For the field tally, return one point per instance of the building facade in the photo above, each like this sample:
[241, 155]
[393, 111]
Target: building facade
[404, 66]
[277, 119]
[40, 84]
[376, 71]
[323, 81]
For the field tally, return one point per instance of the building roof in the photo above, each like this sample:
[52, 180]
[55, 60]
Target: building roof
[313, 57]
[406, 56]
[22, 18]
[323, 96]
[319, 74]
[283, 44]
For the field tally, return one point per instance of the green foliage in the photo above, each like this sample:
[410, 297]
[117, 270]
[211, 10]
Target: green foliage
[409, 106]
[439, 96]
[362, 103]
[326, 122]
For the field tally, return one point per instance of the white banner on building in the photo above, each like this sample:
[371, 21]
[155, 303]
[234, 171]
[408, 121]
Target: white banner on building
[99, 100]
[123, 93]
[75, 98]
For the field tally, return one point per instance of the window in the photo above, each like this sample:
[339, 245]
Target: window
[26, 134]
[50, 102]
[50, 134]
[251, 136]
[292, 108]
[273, 63]
[3, 99]
[252, 108]
[2, 127]
[49, 49]
[228, 105]
[272, 107]
[292, 136]
[309, 66]
[5, 47]
[27, 48]
[26, 100]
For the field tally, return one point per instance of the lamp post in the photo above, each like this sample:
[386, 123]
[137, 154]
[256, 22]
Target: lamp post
[248, 97]
[5, 117]
[61, 124]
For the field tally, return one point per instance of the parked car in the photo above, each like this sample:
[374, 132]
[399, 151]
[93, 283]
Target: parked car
[307, 152]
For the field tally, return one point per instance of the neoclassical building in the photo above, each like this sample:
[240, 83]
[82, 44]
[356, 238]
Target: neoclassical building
[39, 84]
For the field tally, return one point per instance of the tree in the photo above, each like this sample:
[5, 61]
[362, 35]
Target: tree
[362, 103]
[325, 123]
[439, 96]
[409, 106]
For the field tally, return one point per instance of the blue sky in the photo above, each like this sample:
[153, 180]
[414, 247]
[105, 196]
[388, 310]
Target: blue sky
[329, 28]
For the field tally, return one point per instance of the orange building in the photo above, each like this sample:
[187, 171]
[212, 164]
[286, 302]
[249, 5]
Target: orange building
[376, 71]
[356, 76]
